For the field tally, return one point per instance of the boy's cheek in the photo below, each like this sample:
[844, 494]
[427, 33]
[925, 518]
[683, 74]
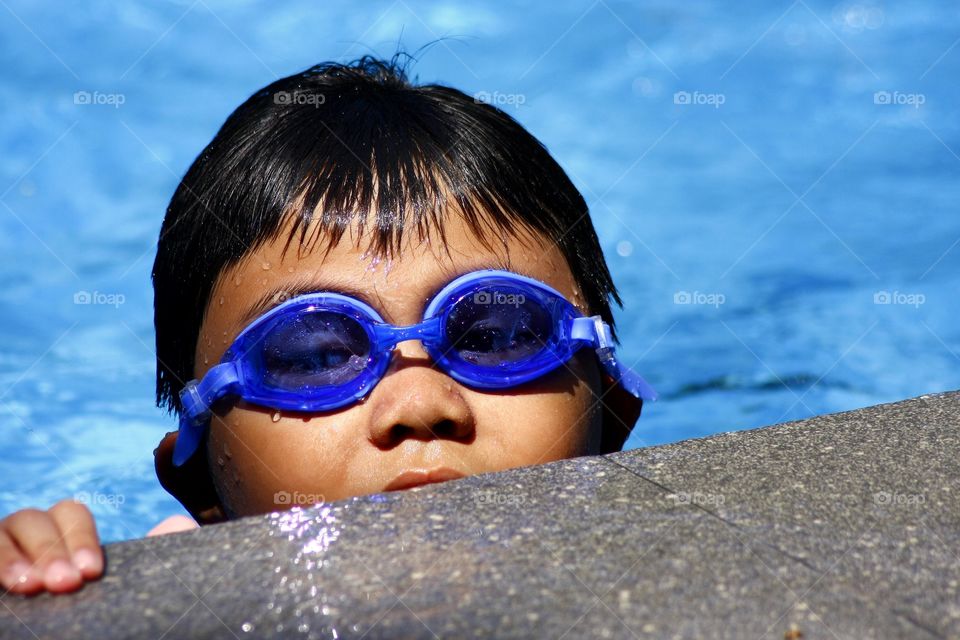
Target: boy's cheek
[556, 418]
[244, 461]
[259, 465]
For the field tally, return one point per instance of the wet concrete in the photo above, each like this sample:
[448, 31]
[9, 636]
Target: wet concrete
[841, 526]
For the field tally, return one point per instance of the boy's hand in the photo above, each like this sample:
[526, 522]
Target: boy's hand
[56, 549]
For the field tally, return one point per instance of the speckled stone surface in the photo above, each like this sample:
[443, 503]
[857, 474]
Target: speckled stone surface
[842, 526]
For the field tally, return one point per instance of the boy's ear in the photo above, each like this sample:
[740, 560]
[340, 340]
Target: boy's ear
[189, 483]
[621, 410]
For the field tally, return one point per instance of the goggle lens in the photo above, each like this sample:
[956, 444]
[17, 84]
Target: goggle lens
[491, 327]
[315, 349]
[494, 327]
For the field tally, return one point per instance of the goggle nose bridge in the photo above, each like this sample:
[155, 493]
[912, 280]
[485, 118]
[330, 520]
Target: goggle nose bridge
[428, 332]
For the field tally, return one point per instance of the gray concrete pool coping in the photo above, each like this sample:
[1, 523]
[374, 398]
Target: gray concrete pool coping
[841, 526]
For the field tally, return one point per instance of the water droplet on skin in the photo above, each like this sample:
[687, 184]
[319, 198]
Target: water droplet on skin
[290, 269]
[374, 263]
[276, 416]
[266, 266]
[206, 360]
[237, 280]
[221, 300]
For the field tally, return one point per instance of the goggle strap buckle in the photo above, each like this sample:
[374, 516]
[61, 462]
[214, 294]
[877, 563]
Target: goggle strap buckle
[597, 332]
[197, 397]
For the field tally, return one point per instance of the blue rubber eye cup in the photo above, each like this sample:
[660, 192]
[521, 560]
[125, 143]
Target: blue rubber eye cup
[487, 329]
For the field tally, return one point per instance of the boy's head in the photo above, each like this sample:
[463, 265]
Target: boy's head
[350, 178]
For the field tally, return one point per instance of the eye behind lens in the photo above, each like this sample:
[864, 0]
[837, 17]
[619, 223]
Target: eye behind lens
[496, 326]
[315, 349]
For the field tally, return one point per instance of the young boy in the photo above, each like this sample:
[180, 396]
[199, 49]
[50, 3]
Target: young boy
[333, 205]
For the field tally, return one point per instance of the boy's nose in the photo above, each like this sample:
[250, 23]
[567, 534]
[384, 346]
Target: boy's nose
[417, 400]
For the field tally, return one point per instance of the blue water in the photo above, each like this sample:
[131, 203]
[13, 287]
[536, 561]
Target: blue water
[783, 198]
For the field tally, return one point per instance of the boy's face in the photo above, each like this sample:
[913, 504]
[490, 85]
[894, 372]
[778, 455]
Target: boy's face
[416, 417]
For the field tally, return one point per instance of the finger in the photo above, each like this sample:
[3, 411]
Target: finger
[80, 536]
[16, 573]
[173, 524]
[41, 540]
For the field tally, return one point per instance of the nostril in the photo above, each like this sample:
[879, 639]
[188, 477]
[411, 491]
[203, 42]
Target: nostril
[445, 429]
[399, 433]
[460, 430]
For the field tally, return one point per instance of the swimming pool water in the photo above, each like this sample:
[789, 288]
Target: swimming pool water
[775, 185]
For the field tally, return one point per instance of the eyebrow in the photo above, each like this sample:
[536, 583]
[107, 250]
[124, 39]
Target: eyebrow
[316, 283]
[308, 284]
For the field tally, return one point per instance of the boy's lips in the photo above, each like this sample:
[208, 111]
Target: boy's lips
[417, 477]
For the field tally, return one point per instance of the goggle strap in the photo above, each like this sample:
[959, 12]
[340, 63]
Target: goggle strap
[188, 439]
[597, 332]
[196, 399]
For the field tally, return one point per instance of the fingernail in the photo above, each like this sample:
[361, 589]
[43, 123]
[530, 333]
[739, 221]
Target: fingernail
[85, 559]
[60, 571]
[17, 573]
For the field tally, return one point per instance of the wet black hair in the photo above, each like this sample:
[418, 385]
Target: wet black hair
[337, 142]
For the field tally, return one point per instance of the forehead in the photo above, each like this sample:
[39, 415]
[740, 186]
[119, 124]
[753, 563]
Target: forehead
[398, 287]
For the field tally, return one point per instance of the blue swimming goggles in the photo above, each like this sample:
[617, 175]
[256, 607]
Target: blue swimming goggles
[488, 329]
